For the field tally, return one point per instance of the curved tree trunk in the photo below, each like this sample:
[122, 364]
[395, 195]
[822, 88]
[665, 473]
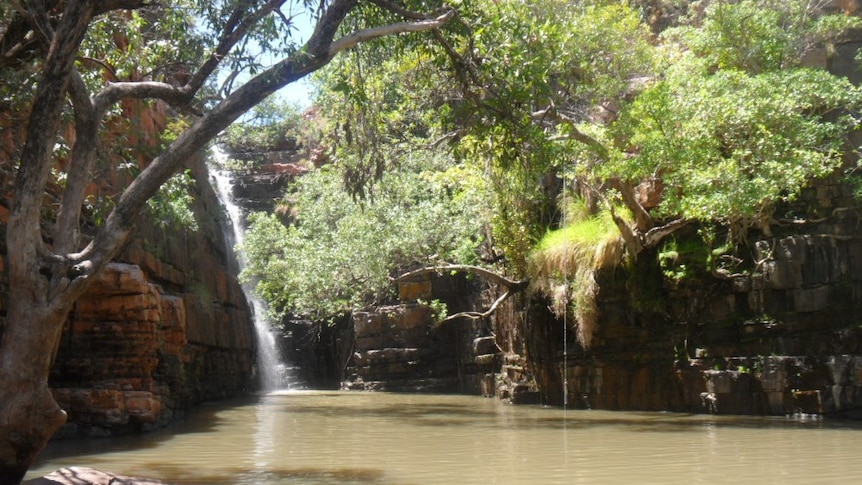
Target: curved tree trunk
[29, 416]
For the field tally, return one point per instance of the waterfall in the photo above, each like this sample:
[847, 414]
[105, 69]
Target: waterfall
[271, 371]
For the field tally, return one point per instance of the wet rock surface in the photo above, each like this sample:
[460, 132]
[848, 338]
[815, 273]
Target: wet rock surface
[88, 476]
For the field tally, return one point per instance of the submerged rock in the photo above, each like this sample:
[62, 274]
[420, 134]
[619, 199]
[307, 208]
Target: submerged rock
[88, 476]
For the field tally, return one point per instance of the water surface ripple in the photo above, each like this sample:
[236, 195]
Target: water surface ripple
[308, 437]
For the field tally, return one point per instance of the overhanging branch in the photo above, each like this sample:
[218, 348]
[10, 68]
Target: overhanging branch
[360, 36]
[479, 315]
[115, 92]
[512, 286]
[574, 133]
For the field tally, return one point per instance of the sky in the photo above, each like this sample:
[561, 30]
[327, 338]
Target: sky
[299, 92]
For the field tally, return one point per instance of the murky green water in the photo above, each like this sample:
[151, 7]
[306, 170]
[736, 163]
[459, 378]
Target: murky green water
[378, 438]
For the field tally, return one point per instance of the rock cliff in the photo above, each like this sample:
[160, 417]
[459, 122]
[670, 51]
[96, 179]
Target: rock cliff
[165, 327]
[782, 337]
[401, 347]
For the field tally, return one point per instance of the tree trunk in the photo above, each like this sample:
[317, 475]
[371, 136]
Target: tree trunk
[29, 416]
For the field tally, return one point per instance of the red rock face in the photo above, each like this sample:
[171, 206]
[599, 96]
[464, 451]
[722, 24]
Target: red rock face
[112, 343]
[165, 328]
[127, 361]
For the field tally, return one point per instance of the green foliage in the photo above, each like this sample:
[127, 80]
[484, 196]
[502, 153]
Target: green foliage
[743, 36]
[271, 125]
[439, 309]
[548, 57]
[172, 205]
[340, 254]
[684, 257]
[759, 36]
[733, 144]
[718, 113]
[504, 63]
[375, 102]
[156, 42]
[735, 126]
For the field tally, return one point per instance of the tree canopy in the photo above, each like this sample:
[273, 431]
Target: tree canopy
[337, 254]
[713, 121]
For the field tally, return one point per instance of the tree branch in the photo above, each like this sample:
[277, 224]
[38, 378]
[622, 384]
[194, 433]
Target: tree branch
[512, 285]
[657, 234]
[477, 315]
[574, 133]
[643, 221]
[408, 14]
[116, 229]
[23, 227]
[234, 30]
[81, 166]
[355, 38]
[114, 92]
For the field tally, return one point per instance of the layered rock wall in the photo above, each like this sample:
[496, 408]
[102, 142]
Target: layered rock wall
[782, 337]
[165, 327]
[402, 347]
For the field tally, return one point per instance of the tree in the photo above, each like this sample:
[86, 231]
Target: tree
[551, 95]
[338, 254]
[51, 264]
[506, 89]
[733, 127]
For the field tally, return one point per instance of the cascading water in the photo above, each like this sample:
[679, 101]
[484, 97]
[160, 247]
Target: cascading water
[272, 372]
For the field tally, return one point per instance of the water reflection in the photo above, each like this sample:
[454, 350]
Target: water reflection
[361, 438]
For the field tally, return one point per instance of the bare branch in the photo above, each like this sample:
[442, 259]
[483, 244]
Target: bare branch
[112, 73]
[512, 285]
[452, 135]
[115, 92]
[477, 315]
[81, 165]
[657, 234]
[355, 38]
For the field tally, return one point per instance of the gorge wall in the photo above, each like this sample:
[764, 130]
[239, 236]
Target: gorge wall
[401, 347]
[166, 326]
[782, 337]
[782, 340]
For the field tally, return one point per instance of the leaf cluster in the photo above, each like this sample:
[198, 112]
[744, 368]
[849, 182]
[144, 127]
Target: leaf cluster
[339, 254]
[734, 126]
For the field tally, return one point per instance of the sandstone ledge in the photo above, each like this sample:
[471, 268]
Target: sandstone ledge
[88, 476]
